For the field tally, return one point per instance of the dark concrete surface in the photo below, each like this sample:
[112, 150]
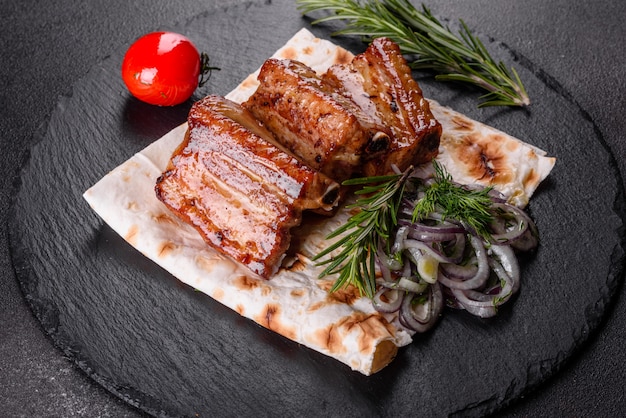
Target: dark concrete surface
[47, 46]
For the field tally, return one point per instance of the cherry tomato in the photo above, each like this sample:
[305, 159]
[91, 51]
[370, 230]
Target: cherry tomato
[162, 68]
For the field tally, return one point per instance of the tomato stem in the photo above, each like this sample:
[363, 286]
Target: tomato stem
[205, 69]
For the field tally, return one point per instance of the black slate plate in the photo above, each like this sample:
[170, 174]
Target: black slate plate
[172, 351]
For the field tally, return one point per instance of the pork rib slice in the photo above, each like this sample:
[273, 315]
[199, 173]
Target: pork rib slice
[314, 120]
[359, 118]
[380, 82]
[238, 188]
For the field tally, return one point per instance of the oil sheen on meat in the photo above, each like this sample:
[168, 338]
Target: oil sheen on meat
[240, 189]
[314, 120]
[379, 81]
[359, 118]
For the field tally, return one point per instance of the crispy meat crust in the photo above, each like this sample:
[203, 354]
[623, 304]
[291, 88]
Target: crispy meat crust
[359, 118]
[314, 120]
[379, 81]
[239, 190]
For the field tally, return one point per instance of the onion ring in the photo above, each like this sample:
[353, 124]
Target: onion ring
[393, 300]
[446, 260]
[421, 317]
[482, 273]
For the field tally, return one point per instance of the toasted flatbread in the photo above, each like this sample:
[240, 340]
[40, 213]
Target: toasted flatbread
[295, 303]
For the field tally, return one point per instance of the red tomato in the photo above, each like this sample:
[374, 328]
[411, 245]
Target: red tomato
[162, 68]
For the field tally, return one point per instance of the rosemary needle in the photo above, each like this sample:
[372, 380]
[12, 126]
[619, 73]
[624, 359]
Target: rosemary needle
[461, 58]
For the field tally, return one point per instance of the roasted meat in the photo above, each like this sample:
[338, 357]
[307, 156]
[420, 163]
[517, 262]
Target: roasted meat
[357, 118]
[238, 188]
[379, 81]
[314, 120]
[244, 174]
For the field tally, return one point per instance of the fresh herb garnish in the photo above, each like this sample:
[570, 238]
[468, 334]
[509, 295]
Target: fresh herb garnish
[375, 223]
[461, 58]
[471, 207]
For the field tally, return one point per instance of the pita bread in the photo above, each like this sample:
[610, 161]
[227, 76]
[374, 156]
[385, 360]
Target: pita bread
[295, 303]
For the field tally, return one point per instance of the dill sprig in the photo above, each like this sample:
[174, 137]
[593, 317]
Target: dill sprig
[462, 58]
[372, 225]
[472, 207]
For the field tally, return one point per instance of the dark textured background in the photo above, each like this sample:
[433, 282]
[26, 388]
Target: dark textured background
[48, 46]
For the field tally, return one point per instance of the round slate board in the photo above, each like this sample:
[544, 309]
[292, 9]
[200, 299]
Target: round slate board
[172, 351]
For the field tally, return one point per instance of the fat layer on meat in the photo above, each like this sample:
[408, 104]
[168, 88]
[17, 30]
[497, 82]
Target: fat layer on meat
[360, 118]
[314, 120]
[239, 188]
[380, 83]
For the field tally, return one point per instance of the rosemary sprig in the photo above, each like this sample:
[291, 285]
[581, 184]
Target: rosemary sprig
[372, 225]
[461, 58]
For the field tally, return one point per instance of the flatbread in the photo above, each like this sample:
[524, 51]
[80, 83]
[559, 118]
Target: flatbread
[294, 303]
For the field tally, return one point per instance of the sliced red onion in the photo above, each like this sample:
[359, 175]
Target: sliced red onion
[387, 300]
[506, 287]
[441, 244]
[482, 273]
[408, 270]
[442, 227]
[497, 196]
[445, 231]
[432, 236]
[421, 317]
[485, 304]
[387, 264]
[458, 249]
[411, 286]
[528, 241]
[417, 248]
[460, 271]
[504, 234]
[398, 243]
[405, 284]
[481, 308]
[523, 235]
[509, 263]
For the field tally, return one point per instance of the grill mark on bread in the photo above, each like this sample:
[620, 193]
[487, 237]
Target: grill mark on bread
[248, 284]
[164, 218]
[370, 329]
[343, 57]
[218, 294]
[131, 235]
[208, 264]
[347, 295]
[270, 318]
[485, 159]
[462, 124]
[331, 338]
[166, 249]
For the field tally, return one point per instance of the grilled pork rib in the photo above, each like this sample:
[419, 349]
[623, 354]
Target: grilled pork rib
[238, 188]
[314, 120]
[358, 118]
[379, 81]
[244, 174]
